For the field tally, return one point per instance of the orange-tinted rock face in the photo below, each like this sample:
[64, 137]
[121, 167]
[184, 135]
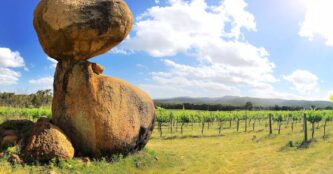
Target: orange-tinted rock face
[101, 115]
[81, 29]
[46, 142]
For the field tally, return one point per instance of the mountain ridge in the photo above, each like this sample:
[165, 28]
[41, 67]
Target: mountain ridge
[241, 101]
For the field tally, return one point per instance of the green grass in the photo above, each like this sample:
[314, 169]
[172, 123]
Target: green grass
[230, 152]
[141, 161]
[24, 113]
[242, 153]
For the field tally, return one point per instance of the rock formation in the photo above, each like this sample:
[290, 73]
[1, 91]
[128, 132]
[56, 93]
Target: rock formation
[81, 29]
[46, 142]
[100, 115]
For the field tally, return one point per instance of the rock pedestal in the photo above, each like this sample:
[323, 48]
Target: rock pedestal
[101, 115]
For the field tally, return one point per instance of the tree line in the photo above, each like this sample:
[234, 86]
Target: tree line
[221, 107]
[34, 100]
[44, 98]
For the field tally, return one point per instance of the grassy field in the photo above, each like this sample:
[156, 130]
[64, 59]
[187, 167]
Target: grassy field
[230, 152]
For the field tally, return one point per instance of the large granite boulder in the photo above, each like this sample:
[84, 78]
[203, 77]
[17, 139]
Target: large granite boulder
[101, 115]
[81, 29]
[46, 142]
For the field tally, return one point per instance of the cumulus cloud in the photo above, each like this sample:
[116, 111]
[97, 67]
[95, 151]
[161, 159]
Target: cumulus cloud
[8, 61]
[303, 81]
[43, 83]
[224, 62]
[8, 76]
[186, 25]
[121, 51]
[317, 20]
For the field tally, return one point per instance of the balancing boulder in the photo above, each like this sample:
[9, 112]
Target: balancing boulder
[81, 29]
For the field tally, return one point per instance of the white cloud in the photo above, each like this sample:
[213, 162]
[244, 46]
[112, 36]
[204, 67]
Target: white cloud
[53, 61]
[43, 83]
[183, 25]
[224, 62]
[303, 81]
[119, 50]
[317, 20]
[8, 76]
[270, 92]
[9, 60]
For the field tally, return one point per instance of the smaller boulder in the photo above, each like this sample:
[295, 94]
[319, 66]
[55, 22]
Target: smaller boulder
[46, 141]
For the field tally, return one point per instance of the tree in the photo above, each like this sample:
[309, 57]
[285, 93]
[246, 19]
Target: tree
[36, 101]
[40, 98]
[248, 106]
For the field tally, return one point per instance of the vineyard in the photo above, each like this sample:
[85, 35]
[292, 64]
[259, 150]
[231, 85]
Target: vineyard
[171, 123]
[180, 122]
[191, 141]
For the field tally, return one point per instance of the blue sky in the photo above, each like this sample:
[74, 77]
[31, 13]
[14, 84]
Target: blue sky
[197, 48]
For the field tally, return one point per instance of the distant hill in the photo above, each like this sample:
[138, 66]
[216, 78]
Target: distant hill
[241, 101]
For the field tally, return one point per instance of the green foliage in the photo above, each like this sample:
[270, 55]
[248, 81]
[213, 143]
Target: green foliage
[26, 113]
[164, 116]
[278, 117]
[37, 100]
[315, 117]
